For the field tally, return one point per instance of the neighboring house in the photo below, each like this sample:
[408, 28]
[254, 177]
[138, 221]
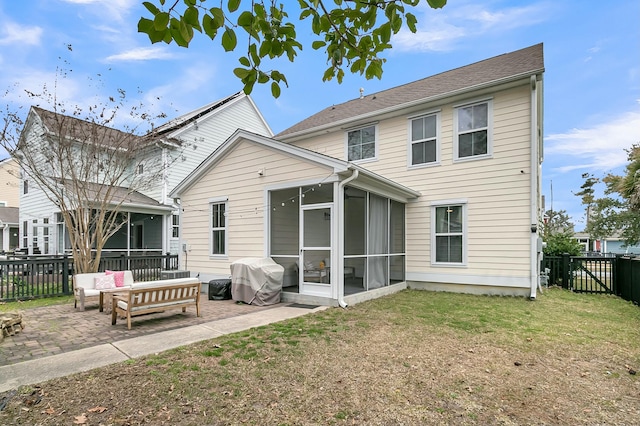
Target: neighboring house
[608, 245]
[153, 225]
[434, 185]
[9, 183]
[9, 204]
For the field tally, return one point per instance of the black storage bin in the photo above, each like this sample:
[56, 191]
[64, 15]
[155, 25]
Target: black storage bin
[220, 289]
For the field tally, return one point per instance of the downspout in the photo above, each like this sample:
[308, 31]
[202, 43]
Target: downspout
[534, 276]
[341, 186]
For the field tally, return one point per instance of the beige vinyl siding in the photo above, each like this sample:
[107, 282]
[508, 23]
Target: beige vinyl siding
[10, 183]
[497, 189]
[236, 177]
[201, 140]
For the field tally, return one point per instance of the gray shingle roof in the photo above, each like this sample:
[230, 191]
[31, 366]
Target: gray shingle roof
[516, 64]
[10, 215]
[85, 131]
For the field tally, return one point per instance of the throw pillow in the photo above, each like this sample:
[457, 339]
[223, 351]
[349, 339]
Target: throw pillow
[118, 277]
[104, 282]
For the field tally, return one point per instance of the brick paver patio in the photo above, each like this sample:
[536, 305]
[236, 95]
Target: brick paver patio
[57, 329]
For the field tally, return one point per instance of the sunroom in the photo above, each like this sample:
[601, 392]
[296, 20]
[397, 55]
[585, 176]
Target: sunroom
[338, 239]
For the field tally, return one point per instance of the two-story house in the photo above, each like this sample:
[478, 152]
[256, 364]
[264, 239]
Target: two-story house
[434, 184]
[176, 147]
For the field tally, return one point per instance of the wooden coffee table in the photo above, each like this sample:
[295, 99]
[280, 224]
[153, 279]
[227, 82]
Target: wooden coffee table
[110, 292]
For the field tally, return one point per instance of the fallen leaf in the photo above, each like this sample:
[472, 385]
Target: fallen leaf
[97, 409]
[49, 410]
[80, 420]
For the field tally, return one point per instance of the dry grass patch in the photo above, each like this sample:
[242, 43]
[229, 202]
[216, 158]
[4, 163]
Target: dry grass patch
[409, 359]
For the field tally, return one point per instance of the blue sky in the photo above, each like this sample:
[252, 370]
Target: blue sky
[592, 61]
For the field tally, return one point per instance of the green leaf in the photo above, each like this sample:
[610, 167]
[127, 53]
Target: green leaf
[151, 7]
[253, 52]
[192, 19]
[275, 90]
[161, 21]
[244, 61]
[241, 73]
[411, 22]
[384, 32]
[248, 87]
[437, 4]
[318, 44]
[328, 74]
[246, 19]
[209, 27]
[265, 48]
[218, 16]
[374, 70]
[186, 31]
[176, 33]
[258, 11]
[229, 40]
[262, 77]
[146, 26]
[233, 5]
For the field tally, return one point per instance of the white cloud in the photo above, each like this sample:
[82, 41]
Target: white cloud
[13, 33]
[111, 9]
[599, 148]
[439, 30]
[141, 54]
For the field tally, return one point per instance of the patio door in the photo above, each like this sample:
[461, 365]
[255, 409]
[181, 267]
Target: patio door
[315, 250]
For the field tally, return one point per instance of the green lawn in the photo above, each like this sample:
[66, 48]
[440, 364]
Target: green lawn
[412, 358]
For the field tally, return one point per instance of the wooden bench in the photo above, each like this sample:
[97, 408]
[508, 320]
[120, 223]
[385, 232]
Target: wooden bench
[157, 296]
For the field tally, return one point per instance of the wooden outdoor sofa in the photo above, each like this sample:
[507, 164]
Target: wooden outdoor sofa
[156, 296]
[84, 287]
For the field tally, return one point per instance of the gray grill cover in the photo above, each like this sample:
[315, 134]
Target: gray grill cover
[257, 281]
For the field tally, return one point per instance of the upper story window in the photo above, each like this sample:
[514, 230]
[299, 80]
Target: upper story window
[361, 143]
[25, 186]
[448, 234]
[175, 226]
[424, 140]
[218, 228]
[473, 130]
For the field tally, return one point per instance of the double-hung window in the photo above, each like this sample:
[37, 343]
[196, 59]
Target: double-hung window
[424, 140]
[218, 228]
[361, 143]
[448, 234]
[175, 225]
[473, 130]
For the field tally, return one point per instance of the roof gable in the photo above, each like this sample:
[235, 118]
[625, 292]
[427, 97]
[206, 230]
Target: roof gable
[338, 166]
[496, 70]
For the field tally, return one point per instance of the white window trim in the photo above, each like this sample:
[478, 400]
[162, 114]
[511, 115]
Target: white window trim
[376, 139]
[465, 234]
[456, 144]
[172, 226]
[225, 201]
[410, 142]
